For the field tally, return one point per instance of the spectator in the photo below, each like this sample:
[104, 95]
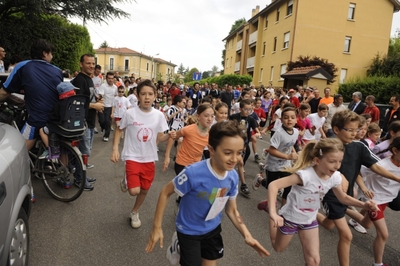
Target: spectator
[393, 113]
[372, 109]
[227, 97]
[357, 105]
[13, 62]
[109, 91]
[293, 99]
[328, 99]
[314, 102]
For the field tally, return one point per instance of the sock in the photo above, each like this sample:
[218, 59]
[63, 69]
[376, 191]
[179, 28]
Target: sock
[378, 264]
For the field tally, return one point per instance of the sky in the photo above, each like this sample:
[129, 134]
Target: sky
[180, 31]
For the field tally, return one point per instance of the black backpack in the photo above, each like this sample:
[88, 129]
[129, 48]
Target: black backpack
[72, 114]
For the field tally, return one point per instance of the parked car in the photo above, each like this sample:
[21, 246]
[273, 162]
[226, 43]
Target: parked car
[15, 197]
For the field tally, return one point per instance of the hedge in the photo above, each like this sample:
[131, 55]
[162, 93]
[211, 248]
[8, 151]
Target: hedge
[383, 88]
[231, 79]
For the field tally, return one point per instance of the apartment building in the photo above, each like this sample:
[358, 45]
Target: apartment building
[127, 62]
[346, 33]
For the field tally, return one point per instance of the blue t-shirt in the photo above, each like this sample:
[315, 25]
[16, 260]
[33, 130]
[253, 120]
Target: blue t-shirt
[37, 80]
[198, 185]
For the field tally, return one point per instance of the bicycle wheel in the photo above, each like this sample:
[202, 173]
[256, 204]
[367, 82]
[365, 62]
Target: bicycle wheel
[58, 175]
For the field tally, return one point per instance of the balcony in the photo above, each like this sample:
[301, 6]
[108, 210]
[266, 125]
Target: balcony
[239, 45]
[253, 37]
[250, 62]
[237, 66]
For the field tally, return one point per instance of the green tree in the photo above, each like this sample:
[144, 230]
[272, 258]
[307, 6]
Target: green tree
[70, 40]
[189, 75]
[181, 69]
[305, 61]
[104, 45]
[387, 65]
[214, 70]
[206, 74]
[93, 10]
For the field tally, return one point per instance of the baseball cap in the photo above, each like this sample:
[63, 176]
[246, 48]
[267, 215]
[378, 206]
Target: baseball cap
[292, 90]
[65, 90]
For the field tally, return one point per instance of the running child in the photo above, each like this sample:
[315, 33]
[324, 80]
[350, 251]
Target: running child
[373, 135]
[120, 105]
[345, 125]
[199, 229]
[317, 120]
[281, 153]
[314, 174]
[144, 128]
[304, 123]
[385, 190]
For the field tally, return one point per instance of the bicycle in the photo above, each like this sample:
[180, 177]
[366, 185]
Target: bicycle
[57, 175]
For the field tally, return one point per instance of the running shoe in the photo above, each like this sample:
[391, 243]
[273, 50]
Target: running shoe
[173, 251]
[263, 206]
[257, 158]
[135, 221]
[257, 181]
[123, 186]
[358, 227]
[244, 190]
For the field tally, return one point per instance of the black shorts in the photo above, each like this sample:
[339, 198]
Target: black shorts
[272, 176]
[178, 168]
[334, 210]
[195, 248]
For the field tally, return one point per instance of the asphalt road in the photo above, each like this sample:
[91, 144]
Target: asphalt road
[95, 229]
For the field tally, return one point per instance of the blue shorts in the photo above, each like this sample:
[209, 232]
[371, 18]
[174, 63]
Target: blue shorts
[30, 132]
[290, 228]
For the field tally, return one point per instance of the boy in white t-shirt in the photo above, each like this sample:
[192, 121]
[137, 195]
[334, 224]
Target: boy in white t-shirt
[144, 128]
[317, 120]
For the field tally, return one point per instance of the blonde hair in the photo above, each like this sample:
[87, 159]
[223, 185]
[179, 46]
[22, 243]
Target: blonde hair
[191, 120]
[316, 149]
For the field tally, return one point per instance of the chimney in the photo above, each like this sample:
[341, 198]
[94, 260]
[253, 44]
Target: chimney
[257, 10]
[253, 12]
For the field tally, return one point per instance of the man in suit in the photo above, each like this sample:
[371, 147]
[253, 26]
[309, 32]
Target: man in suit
[392, 114]
[357, 105]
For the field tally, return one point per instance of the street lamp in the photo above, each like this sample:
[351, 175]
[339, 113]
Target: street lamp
[152, 66]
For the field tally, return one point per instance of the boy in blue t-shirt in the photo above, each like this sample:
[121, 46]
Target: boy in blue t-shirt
[199, 229]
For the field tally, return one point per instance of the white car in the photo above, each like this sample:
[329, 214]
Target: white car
[15, 197]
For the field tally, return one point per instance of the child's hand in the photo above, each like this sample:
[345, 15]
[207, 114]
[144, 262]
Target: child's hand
[114, 156]
[276, 219]
[257, 246]
[293, 156]
[172, 134]
[368, 193]
[166, 163]
[371, 205]
[156, 234]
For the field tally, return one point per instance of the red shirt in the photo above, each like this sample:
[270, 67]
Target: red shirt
[295, 101]
[260, 113]
[174, 92]
[374, 112]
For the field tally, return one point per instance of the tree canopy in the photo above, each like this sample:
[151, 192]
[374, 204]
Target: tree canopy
[387, 65]
[91, 10]
[305, 61]
[237, 24]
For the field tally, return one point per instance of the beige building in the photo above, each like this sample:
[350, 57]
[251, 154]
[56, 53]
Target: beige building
[346, 33]
[127, 62]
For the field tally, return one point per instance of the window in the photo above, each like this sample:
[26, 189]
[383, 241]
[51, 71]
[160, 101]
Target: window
[343, 74]
[278, 12]
[264, 47]
[126, 65]
[227, 63]
[147, 66]
[286, 38]
[266, 22]
[283, 70]
[95, 60]
[352, 9]
[347, 43]
[289, 8]
[271, 74]
[261, 74]
[111, 63]
[275, 41]
[230, 62]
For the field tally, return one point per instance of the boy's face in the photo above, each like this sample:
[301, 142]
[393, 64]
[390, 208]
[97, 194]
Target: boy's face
[146, 97]
[348, 133]
[246, 110]
[227, 154]
[322, 113]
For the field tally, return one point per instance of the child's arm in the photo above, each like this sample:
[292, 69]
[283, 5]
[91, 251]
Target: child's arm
[321, 130]
[115, 152]
[383, 172]
[360, 182]
[273, 188]
[168, 149]
[236, 219]
[348, 200]
[157, 233]
[161, 137]
[275, 152]
[112, 111]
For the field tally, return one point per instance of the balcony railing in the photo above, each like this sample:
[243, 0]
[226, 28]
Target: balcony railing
[239, 45]
[250, 62]
[237, 66]
[253, 37]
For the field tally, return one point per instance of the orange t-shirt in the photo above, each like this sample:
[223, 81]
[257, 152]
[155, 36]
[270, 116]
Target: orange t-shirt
[192, 146]
[326, 100]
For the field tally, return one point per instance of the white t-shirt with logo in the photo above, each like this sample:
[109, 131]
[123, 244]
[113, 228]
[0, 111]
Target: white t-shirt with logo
[121, 104]
[140, 141]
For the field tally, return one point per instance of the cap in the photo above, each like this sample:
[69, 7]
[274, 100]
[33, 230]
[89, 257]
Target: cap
[292, 90]
[65, 89]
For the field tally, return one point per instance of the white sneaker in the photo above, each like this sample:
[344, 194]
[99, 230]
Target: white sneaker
[135, 221]
[358, 227]
[123, 186]
[257, 181]
[173, 251]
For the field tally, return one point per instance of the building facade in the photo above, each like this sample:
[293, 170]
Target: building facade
[128, 62]
[348, 34]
